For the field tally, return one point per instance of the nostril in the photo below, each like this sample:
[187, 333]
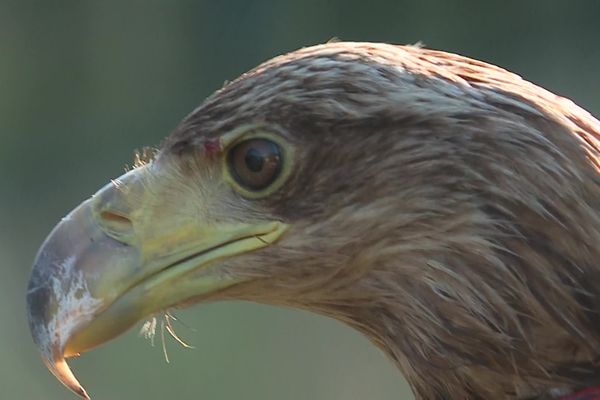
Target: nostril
[112, 217]
[116, 225]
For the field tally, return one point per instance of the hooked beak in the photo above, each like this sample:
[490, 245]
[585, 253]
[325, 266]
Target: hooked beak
[122, 255]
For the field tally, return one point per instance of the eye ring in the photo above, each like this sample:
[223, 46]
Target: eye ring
[255, 163]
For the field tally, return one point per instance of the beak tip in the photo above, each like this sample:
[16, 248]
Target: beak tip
[58, 302]
[60, 369]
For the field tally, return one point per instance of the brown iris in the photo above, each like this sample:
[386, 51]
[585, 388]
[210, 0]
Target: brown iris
[255, 163]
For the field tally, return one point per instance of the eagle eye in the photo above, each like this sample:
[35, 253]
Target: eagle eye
[255, 163]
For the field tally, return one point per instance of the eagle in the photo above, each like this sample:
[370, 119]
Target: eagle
[446, 208]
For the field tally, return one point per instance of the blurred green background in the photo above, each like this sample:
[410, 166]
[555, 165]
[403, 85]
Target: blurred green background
[84, 83]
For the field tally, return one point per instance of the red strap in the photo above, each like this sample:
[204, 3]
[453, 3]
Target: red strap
[592, 393]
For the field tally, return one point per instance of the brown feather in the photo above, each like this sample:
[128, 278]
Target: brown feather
[443, 206]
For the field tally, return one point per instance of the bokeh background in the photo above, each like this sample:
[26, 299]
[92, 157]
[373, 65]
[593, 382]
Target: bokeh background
[84, 83]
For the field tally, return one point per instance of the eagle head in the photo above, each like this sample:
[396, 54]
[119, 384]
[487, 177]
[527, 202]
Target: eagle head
[444, 207]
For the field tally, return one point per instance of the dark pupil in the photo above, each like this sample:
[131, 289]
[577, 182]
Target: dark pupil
[254, 160]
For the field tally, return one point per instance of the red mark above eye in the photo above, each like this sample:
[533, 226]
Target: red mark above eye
[212, 146]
